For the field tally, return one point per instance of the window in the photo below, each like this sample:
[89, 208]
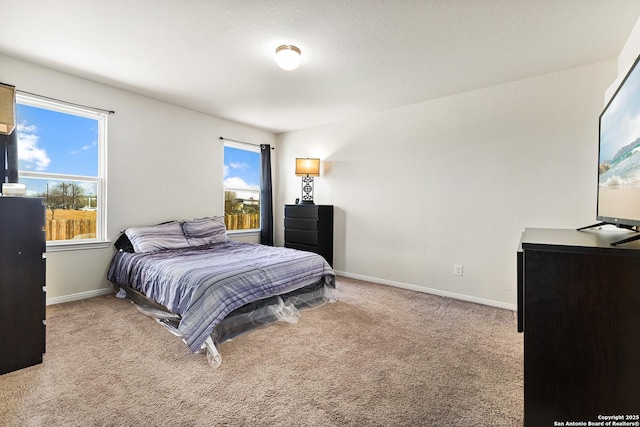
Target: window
[61, 158]
[241, 186]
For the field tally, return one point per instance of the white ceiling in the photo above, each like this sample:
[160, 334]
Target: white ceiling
[216, 56]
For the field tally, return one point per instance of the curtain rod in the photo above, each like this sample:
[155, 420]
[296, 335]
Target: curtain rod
[222, 138]
[66, 102]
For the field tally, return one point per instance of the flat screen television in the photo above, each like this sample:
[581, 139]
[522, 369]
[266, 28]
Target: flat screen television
[619, 155]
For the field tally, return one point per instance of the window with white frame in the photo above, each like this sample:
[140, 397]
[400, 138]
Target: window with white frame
[61, 158]
[241, 186]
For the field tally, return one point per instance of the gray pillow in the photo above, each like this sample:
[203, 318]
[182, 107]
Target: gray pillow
[157, 237]
[205, 231]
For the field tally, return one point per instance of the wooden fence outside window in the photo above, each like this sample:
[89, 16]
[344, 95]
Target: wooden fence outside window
[242, 221]
[67, 229]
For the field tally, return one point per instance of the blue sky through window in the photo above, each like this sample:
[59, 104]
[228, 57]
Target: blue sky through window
[241, 169]
[54, 142]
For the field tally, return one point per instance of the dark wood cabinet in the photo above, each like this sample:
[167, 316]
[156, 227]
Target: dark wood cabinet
[309, 228]
[579, 308]
[22, 281]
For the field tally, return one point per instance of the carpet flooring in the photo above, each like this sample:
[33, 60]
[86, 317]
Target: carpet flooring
[379, 356]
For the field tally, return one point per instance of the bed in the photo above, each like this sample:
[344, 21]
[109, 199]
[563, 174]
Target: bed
[207, 288]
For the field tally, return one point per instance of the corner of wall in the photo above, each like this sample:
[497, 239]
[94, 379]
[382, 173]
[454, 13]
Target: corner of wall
[626, 58]
[630, 50]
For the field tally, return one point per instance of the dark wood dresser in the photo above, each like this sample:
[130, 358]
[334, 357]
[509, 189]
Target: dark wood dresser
[309, 228]
[579, 308]
[22, 281]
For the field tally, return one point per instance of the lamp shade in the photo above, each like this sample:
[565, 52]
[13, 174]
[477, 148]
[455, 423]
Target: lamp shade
[288, 57]
[7, 109]
[307, 167]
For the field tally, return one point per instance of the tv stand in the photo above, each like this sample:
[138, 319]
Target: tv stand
[627, 240]
[617, 242]
[580, 320]
[600, 224]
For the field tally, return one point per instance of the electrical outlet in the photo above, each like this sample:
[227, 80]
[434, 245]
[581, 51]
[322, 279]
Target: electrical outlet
[457, 269]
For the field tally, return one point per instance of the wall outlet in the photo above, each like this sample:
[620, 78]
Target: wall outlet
[457, 269]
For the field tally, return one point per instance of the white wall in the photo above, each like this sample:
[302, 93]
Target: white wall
[630, 50]
[164, 162]
[626, 59]
[455, 181]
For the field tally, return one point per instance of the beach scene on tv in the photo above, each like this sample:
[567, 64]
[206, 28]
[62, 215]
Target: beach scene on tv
[619, 158]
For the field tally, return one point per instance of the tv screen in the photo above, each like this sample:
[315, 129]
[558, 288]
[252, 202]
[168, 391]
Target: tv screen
[619, 154]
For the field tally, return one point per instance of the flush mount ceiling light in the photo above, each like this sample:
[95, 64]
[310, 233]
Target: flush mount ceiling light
[288, 57]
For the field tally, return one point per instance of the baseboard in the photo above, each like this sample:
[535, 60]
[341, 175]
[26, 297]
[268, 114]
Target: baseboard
[79, 296]
[463, 297]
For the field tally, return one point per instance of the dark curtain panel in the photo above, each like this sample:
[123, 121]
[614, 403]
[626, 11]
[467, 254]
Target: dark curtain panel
[8, 158]
[12, 157]
[3, 160]
[266, 198]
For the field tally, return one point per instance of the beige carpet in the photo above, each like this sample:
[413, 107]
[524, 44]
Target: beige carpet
[380, 356]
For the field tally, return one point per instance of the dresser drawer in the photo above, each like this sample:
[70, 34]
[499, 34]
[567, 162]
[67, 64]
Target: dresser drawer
[301, 224]
[298, 211]
[301, 237]
[300, 247]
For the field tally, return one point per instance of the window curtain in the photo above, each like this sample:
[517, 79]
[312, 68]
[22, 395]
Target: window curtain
[9, 160]
[3, 161]
[266, 196]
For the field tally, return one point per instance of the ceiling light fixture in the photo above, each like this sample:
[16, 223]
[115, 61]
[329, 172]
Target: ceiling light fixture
[288, 57]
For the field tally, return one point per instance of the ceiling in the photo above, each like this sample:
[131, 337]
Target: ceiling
[360, 56]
